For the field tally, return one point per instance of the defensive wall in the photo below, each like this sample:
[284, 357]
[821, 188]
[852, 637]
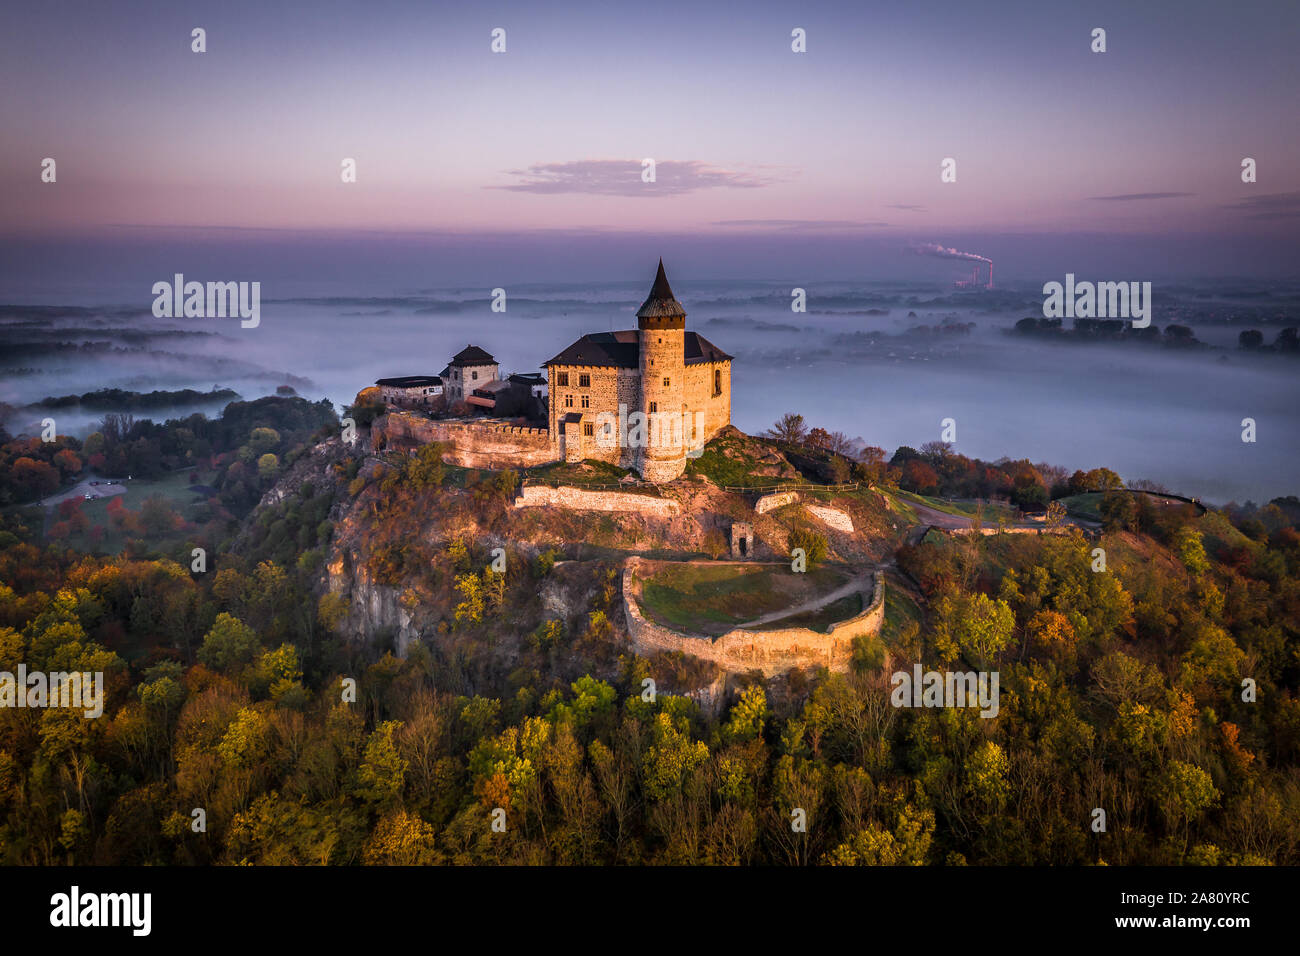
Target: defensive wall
[471, 444]
[772, 652]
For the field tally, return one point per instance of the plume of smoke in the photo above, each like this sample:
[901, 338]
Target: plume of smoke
[943, 252]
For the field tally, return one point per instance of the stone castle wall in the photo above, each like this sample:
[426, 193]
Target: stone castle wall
[772, 651]
[699, 395]
[474, 444]
[578, 499]
[608, 388]
[833, 517]
[772, 502]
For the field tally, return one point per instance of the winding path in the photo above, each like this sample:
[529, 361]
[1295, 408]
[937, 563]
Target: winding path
[862, 584]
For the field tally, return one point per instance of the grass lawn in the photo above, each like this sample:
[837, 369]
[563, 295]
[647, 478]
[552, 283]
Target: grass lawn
[588, 472]
[899, 608]
[726, 461]
[822, 618]
[1084, 506]
[959, 507]
[1219, 533]
[712, 599]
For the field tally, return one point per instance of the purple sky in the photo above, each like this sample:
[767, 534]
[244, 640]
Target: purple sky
[757, 147]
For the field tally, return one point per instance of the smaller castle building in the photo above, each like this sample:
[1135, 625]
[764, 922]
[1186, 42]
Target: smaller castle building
[470, 368]
[410, 390]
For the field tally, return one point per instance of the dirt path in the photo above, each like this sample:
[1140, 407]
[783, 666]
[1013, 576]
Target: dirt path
[862, 584]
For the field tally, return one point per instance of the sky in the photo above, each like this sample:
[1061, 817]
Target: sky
[767, 161]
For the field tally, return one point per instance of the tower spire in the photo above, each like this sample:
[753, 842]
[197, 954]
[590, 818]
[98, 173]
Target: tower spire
[661, 303]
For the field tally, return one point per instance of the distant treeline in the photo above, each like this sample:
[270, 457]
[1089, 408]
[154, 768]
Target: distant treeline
[1288, 340]
[1091, 330]
[1107, 329]
[118, 398]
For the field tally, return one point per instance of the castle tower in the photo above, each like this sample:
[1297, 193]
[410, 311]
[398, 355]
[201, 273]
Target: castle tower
[662, 346]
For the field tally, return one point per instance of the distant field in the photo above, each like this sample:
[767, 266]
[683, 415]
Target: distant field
[175, 487]
[713, 598]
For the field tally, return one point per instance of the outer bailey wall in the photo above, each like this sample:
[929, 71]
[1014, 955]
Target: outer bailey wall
[772, 652]
[474, 444]
[778, 500]
[577, 499]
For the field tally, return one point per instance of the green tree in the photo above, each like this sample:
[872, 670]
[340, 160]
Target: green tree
[383, 770]
[425, 468]
[230, 644]
[748, 715]
[980, 626]
[814, 545]
[1191, 550]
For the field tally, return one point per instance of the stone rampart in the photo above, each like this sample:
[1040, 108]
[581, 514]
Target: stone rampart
[772, 652]
[471, 444]
[579, 499]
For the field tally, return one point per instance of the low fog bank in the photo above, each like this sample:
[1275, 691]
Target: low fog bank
[886, 361]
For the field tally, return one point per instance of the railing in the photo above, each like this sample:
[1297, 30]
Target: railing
[595, 485]
[641, 483]
[778, 489]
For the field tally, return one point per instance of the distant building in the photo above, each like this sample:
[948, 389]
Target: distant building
[469, 369]
[410, 390]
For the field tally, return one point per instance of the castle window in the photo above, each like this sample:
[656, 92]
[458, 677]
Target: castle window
[568, 401]
[666, 382]
[654, 407]
[474, 376]
[588, 429]
[584, 381]
[717, 381]
[564, 378]
[586, 401]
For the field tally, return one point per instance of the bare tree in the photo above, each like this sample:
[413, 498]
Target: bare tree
[790, 429]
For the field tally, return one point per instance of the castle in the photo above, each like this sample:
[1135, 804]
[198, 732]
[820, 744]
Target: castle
[644, 399]
[640, 398]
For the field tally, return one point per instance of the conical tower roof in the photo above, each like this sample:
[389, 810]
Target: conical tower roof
[660, 303]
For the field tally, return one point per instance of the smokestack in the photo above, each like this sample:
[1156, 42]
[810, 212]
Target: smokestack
[990, 273]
